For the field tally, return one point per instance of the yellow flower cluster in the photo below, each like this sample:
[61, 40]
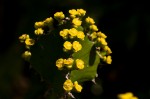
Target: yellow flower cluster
[127, 95]
[69, 85]
[72, 33]
[101, 43]
[60, 63]
[77, 13]
[24, 38]
[76, 46]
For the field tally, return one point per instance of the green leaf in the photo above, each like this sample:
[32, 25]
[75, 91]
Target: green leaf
[91, 61]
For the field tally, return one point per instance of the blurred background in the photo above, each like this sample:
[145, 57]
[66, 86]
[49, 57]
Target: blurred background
[126, 24]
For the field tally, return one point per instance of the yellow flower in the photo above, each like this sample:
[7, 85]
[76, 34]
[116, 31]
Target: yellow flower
[80, 35]
[76, 46]
[67, 45]
[108, 60]
[29, 42]
[79, 63]
[73, 32]
[76, 22]
[23, 37]
[39, 24]
[93, 28]
[68, 62]
[59, 63]
[93, 35]
[26, 55]
[89, 21]
[106, 48]
[68, 85]
[100, 34]
[59, 16]
[64, 33]
[39, 31]
[73, 13]
[48, 21]
[78, 87]
[102, 41]
[81, 12]
[127, 95]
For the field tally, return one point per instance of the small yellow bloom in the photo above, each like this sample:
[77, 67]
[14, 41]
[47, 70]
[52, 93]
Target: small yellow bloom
[93, 28]
[127, 95]
[48, 21]
[67, 45]
[106, 48]
[26, 55]
[76, 22]
[39, 24]
[79, 63]
[80, 35]
[102, 41]
[59, 63]
[68, 62]
[73, 13]
[108, 60]
[77, 86]
[23, 37]
[68, 85]
[73, 32]
[76, 46]
[100, 34]
[64, 33]
[81, 12]
[93, 35]
[59, 16]
[39, 31]
[29, 42]
[89, 21]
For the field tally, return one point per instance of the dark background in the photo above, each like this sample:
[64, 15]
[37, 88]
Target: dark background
[126, 24]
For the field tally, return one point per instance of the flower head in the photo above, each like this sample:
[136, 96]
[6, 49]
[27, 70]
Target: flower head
[64, 33]
[81, 12]
[77, 87]
[93, 28]
[76, 46]
[80, 35]
[59, 16]
[73, 33]
[89, 20]
[127, 95]
[102, 41]
[23, 37]
[76, 22]
[26, 55]
[67, 45]
[68, 85]
[59, 63]
[100, 34]
[108, 60]
[39, 31]
[79, 63]
[73, 13]
[39, 24]
[68, 62]
[29, 42]
[48, 21]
